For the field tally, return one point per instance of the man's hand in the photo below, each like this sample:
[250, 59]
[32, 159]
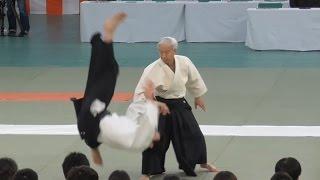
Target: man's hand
[163, 108]
[198, 101]
[96, 157]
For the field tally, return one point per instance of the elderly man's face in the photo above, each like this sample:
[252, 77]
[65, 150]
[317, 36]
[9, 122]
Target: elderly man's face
[166, 52]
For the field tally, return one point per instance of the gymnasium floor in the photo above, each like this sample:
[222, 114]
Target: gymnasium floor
[246, 87]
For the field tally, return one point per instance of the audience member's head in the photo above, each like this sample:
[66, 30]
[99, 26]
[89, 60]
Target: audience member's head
[225, 175]
[26, 174]
[8, 167]
[281, 176]
[119, 175]
[74, 159]
[82, 173]
[289, 165]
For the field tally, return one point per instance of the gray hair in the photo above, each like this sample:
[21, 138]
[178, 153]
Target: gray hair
[170, 40]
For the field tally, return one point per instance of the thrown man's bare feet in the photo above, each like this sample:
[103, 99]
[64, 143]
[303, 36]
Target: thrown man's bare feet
[111, 25]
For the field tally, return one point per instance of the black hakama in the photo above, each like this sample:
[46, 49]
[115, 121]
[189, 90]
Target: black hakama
[101, 82]
[181, 128]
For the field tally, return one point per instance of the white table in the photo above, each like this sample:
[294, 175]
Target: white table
[147, 21]
[283, 29]
[218, 21]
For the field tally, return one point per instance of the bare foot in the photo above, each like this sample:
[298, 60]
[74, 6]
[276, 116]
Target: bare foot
[111, 25]
[119, 17]
[144, 177]
[96, 157]
[209, 167]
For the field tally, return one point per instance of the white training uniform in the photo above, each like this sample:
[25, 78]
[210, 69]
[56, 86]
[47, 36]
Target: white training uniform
[133, 131]
[169, 84]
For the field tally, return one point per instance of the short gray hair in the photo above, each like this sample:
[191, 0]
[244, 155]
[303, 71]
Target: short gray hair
[170, 40]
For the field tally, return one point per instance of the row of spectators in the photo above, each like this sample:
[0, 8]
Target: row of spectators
[76, 166]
